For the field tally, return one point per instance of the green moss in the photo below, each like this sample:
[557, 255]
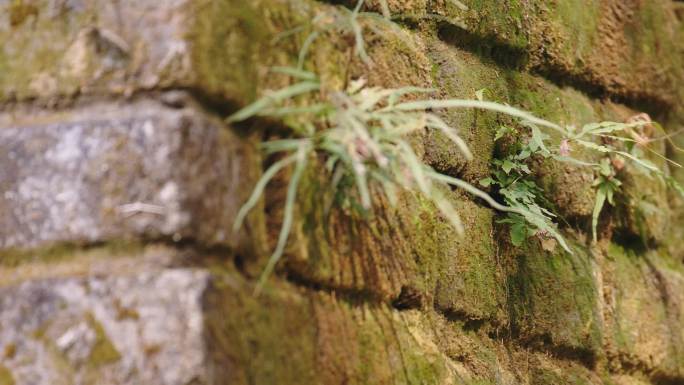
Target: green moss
[6, 377]
[103, 351]
[65, 251]
[565, 106]
[19, 12]
[226, 38]
[32, 51]
[9, 351]
[290, 335]
[547, 376]
[576, 22]
[459, 76]
[468, 283]
[638, 306]
[261, 340]
[554, 297]
[502, 20]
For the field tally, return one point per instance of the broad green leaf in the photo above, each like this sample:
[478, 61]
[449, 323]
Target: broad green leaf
[503, 130]
[538, 139]
[486, 182]
[524, 154]
[508, 166]
[518, 234]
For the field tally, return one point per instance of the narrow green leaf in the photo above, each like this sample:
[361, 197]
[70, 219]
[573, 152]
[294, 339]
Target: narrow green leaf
[259, 189]
[385, 9]
[598, 206]
[571, 160]
[484, 105]
[449, 132]
[459, 5]
[280, 145]
[447, 210]
[594, 146]
[295, 73]
[288, 216]
[306, 46]
[275, 97]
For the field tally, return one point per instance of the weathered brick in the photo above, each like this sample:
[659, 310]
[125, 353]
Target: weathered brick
[120, 170]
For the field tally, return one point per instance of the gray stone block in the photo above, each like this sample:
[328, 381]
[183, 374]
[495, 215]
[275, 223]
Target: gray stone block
[119, 171]
[144, 328]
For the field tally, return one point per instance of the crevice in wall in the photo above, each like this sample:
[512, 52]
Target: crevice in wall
[489, 48]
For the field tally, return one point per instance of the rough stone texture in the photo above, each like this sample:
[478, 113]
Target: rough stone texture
[106, 330]
[118, 170]
[643, 308]
[56, 50]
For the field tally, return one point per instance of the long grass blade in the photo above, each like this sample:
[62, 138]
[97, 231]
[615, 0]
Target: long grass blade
[306, 46]
[275, 97]
[288, 216]
[598, 206]
[295, 73]
[259, 189]
[448, 210]
[450, 133]
[422, 105]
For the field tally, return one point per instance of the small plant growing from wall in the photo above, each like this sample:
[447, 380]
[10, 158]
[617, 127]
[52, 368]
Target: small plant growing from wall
[360, 136]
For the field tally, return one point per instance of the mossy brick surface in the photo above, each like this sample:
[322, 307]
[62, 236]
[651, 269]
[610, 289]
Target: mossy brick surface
[643, 307]
[294, 335]
[545, 371]
[553, 299]
[622, 48]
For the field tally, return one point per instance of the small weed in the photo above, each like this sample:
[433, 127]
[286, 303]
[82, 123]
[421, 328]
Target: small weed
[622, 142]
[512, 177]
[360, 133]
[359, 136]
[606, 186]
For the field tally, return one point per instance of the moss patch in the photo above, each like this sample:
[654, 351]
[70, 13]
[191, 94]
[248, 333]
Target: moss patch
[103, 351]
[6, 377]
[644, 317]
[552, 299]
[293, 336]
[19, 12]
